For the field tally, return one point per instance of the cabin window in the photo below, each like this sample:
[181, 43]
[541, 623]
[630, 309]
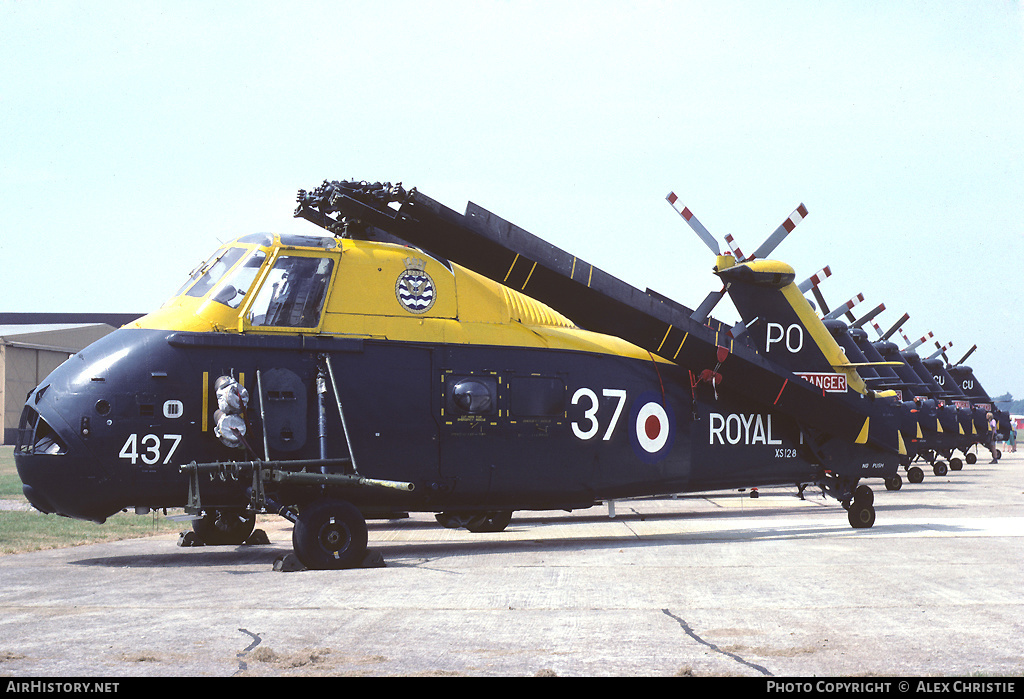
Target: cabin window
[292, 296]
[211, 273]
[536, 396]
[474, 396]
[233, 289]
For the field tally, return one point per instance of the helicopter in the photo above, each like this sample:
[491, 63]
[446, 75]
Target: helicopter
[419, 359]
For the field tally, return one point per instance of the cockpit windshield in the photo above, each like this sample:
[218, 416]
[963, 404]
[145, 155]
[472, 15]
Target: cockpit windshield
[210, 272]
[233, 289]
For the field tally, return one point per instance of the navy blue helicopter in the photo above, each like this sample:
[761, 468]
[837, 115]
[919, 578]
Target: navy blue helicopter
[425, 360]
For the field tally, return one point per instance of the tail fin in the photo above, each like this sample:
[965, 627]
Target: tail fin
[783, 325]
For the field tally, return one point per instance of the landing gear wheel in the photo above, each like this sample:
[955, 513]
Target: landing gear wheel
[915, 474]
[330, 535]
[972, 458]
[224, 527]
[452, 520]
[861, 516]
[894, 483]
[956, 464]
[863, 495]
[939, 468]
[490, 522]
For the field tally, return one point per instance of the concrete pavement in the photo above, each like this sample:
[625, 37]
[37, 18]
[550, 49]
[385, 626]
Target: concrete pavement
[719, 584]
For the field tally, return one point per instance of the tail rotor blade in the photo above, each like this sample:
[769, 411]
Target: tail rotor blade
[736, 252]
[969, 353]
[812, 281]
[845, 308]
[707, 305]
[897, 326]
[696, 225]
[941, 351]
[917, 343]
[869, 316]
[820, 299]
[780, 233]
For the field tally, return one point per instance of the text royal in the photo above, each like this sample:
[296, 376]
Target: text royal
[741, 428]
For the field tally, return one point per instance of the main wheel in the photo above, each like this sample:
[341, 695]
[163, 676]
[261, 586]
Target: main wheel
[330, 535]
[453, 520]
[894, 483]
[224, 527]
[955, 463]
[864, 495]
[490, 521]
[915, 474]
[972, 458]
[939, 468]
[861, 516]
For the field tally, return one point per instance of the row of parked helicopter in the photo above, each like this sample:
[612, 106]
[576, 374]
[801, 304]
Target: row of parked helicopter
[953, 415]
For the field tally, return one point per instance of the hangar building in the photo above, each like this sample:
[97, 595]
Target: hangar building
[34, 344]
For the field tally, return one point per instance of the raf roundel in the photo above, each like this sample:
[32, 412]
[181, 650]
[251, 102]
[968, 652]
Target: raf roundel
[653, 427]
[414, 288]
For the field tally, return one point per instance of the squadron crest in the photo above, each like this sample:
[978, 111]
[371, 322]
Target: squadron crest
[414, 288]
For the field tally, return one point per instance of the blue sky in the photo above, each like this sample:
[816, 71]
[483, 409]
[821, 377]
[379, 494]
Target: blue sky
[137, 136]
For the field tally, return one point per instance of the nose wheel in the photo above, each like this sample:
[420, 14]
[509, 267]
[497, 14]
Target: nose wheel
[330, 535]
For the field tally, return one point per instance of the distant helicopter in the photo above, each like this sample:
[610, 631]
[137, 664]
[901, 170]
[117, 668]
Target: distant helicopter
[425, 360]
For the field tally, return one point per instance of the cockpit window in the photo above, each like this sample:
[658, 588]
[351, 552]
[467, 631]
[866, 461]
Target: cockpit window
[293, 293]
[210, 273]
[233, 289]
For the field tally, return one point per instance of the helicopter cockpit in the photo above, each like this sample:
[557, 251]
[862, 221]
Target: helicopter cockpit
[289, 293]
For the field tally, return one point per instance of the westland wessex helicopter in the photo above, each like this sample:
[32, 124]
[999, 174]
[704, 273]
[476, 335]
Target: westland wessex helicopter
[425, 360]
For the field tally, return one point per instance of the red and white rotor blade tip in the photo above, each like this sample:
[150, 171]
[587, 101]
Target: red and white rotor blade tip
[696, 225]
[815, 279]
[779, 234]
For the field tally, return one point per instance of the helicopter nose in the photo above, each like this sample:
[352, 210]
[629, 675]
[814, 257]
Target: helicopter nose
[57, 472]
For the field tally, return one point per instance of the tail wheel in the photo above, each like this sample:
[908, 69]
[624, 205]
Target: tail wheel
[490, 521]
[224, 527]
[861, 516]
[330, 535]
